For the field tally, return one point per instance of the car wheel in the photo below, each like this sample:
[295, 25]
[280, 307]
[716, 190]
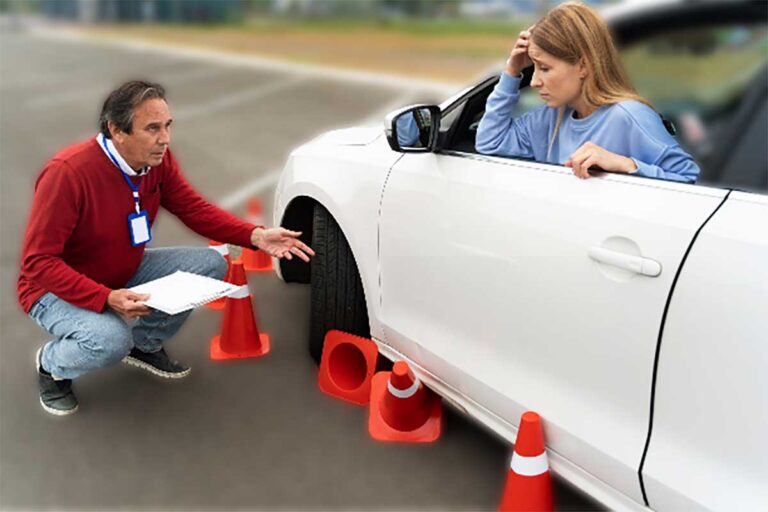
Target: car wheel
[338, 301]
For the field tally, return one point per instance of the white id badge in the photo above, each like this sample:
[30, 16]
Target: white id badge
[138, 225]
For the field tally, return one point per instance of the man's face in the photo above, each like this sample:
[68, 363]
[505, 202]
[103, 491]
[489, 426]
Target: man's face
[150, 136]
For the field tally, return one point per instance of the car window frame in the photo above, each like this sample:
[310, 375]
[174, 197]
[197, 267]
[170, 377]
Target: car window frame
[629, 27]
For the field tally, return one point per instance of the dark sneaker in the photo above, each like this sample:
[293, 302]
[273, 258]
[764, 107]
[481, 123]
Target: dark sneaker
[56, 396]
[158, 363]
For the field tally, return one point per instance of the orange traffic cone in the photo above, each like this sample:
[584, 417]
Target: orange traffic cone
[347, 367]
[222, 249]
[528, 484]
[402, 409]
[256, 261]
[240, 337]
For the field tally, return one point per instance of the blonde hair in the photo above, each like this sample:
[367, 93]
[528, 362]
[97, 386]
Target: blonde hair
[573, 31]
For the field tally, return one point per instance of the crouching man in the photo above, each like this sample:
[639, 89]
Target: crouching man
[92, 212]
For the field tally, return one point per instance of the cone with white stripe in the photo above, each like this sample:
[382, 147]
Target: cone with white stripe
[528, 486]
[222, 249]
[240, 337]
[402, 408]
[254, 260]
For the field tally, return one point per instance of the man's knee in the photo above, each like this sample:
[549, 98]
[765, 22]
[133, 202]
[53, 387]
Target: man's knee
[213, 264]
[106, 344]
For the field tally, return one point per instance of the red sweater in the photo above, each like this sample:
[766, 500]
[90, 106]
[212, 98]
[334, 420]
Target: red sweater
[77, 244]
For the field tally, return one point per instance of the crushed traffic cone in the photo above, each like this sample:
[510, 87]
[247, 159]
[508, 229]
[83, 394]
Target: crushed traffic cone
[256, 260]
[222, 249]
[347, 367]
[240, 337]
[528, 486]
[402, 409]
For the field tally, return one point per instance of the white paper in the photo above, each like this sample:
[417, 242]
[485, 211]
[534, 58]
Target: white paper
[182, 291]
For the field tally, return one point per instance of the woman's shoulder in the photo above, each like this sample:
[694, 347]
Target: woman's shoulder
[639, 115]
[634, 110]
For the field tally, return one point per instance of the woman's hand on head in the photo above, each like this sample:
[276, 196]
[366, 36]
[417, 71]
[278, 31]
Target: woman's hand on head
[592, 155]
[518, 58]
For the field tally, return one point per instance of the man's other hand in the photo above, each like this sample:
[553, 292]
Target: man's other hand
[281, 243]
[126, 303]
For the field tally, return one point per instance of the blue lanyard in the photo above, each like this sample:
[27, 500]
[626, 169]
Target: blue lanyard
[134, 188]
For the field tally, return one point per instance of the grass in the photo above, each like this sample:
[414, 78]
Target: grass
[416, 27]
[440, 50]
[445, 50]
[708, 80]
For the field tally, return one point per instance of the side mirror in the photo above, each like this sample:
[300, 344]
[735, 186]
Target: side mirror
[413, 129]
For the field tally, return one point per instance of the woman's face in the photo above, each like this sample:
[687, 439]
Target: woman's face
[559, 82]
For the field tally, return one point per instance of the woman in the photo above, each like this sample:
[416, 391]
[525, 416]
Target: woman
[593, 116]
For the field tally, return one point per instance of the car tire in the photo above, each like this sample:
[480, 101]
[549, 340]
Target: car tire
[337, 297]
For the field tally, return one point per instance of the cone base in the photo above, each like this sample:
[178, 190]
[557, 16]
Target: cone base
[527, 493]
[217, 354]
[368, 353]
[381, 431]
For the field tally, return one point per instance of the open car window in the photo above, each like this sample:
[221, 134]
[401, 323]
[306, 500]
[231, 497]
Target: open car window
[709, 81]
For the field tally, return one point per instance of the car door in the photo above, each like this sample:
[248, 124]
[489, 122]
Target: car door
[708, 449]
[504, 278]
[707, 446]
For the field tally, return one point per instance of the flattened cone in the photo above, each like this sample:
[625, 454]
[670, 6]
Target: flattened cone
[347, 366]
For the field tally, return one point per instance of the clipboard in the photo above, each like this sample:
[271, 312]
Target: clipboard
[182, 291]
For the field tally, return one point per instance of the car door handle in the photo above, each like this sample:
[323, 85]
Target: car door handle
[636, 264]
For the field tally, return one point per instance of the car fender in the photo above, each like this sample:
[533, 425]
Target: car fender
[348, 181]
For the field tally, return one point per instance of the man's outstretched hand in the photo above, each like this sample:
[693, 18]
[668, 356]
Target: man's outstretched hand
[281, 243]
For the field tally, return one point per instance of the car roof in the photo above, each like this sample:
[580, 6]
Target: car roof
[633, 8]
[637, 19]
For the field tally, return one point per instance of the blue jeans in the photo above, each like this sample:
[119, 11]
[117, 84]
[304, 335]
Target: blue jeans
[85, 340]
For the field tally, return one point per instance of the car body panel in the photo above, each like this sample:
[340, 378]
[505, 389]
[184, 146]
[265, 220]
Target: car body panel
[700, 404]
[347, 179]
[355, 136]
[712, 384]
[486, 280]
[576, 475]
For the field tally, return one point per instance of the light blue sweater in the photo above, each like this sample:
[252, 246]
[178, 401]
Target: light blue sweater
[407, 131]
[628, 128]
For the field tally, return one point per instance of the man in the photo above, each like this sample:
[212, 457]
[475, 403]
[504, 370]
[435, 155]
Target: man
[91, 217]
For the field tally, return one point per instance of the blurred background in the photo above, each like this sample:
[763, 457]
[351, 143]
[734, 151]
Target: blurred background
[248, 80]
[450, 40]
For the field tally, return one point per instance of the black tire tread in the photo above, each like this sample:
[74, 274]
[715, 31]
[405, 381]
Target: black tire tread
[337, 297]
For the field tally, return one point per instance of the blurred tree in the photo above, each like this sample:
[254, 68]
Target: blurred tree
[420, 8]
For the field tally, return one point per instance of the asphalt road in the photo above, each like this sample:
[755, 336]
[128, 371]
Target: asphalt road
[250, 434]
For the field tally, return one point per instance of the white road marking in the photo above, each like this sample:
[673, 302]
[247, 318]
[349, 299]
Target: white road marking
[299, 72]
[89, 93]
[253, 188]
[254, 62]
[261, 184]
[234, 99]
[400, 101]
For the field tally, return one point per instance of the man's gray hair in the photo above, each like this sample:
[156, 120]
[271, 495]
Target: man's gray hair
[120, 104]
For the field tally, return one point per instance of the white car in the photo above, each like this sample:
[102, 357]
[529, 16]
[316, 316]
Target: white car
[630, 313]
